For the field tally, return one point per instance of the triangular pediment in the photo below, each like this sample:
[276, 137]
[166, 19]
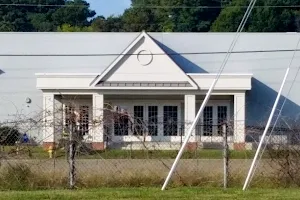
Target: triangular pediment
[144, 64]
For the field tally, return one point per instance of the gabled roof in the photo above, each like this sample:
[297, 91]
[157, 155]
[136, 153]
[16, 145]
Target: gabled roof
[158, 70]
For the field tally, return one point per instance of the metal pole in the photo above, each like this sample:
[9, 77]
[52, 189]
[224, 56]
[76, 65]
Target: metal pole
[225, 154]
[240, 28]
[189, 134]
[266, 129]
[71, 157]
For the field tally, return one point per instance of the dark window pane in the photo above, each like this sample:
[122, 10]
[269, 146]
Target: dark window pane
[170, 120]
[121, 124]
[84, 120]
[222, 117]
[208, 121]
[153, 120]
[69, 114]
[138, 120]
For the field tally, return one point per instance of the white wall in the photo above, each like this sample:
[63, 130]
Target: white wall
[18, 80]
[159, 68]
[268, 68]
[19, 62]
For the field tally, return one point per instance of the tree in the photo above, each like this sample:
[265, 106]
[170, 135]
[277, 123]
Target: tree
[137, 19]
[43, 18]
[171, 15]
[69, 28]
[110, 24]
[9, 135]
[266, 17]
[76, 13]
[195, 18]
[41, 22]
[13, 18]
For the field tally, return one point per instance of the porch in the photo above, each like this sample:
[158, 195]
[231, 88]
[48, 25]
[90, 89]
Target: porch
[138, 121]
[144, 95]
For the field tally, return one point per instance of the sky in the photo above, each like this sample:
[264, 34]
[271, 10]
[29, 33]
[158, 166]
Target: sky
[109, 7]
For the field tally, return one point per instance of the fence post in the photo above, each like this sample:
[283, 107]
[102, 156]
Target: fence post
[225, 155]
[71, 158]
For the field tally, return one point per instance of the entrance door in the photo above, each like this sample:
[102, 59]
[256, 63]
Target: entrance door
[83, 125]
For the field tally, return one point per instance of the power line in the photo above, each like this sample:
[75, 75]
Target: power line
[154, 54]
[214, 7]
[155, 6]
[42, 5]
[103, 67]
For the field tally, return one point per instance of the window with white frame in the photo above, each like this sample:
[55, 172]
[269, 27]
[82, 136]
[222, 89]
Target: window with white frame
[82, 125]
[83, 120]
[222, 118]
[144, 118]
[138, 120]
[170, 120]
[121, 124]
[212, 119]
[208, 121]
[69, 111]
[153, 120]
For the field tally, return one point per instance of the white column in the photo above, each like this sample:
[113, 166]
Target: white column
[58, 119]
[189, 114]
[98, 106]
[239, 117]
[48, 118]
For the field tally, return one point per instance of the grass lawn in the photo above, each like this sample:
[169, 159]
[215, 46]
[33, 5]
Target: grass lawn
[34, 152]
[154, 193]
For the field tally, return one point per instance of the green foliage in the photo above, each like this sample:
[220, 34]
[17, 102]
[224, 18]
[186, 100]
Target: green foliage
[264, 18]
[75, 16]
[43, 18]
[110, 24]
[169, 18]
[151, 16]
[9, 135]
[69, 28]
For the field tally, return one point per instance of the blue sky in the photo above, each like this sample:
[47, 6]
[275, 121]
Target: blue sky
[109, 7]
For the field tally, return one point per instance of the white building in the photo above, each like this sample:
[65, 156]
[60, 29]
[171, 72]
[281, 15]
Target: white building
[118, 81]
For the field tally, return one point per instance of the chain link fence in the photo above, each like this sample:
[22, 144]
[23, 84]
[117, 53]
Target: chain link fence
[134, 155]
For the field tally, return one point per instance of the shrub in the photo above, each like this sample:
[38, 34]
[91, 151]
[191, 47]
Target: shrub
[16, 177]
[9, 135]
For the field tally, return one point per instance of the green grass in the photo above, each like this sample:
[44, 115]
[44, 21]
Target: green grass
[40, 153]
[158, 154]
[153, 193]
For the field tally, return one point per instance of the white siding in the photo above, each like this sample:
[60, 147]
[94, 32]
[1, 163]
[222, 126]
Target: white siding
[19, 82]
[225, 82]
[64, 81]
[161, 68]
